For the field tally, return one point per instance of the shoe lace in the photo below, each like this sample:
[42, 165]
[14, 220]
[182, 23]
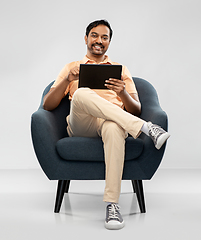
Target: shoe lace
[155, 131]
[114, 211]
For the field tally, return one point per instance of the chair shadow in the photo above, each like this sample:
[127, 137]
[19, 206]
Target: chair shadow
[82, 206]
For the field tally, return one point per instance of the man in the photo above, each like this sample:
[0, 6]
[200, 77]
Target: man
[110, 114]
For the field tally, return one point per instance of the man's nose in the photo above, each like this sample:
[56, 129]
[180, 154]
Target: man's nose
[99, 39]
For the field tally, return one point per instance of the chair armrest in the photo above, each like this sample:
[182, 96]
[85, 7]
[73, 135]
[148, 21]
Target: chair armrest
[151, 157]
[155, 115]
[46, 132]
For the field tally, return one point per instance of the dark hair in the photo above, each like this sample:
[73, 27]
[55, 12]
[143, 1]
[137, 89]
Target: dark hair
[96, 23]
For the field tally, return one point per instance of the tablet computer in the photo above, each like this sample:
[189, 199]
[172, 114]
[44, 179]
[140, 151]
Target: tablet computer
[94, 75]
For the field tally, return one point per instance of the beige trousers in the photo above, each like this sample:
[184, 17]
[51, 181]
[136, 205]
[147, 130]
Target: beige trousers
[93, 116]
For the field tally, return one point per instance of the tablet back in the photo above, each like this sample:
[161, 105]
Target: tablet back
[94, 75]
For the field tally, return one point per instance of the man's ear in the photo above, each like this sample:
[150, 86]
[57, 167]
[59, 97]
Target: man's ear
[85, 38]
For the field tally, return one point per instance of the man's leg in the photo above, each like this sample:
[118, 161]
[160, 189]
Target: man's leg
[81, 123]
[88, 114]
[87, 106]
[92, 105]
[88, 117]
[113, 137]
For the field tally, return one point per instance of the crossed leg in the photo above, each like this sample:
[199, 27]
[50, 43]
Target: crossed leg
[93, 116]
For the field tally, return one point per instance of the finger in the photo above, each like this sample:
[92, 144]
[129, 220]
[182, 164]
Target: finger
[75, 72]
[116, 80]
[77, 69]
[118, 83]
[113, 87]
[113, 81]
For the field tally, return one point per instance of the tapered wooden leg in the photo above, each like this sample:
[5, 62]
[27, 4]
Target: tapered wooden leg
[138, 187]
[133, 185]
[62, 187]
[67, 186]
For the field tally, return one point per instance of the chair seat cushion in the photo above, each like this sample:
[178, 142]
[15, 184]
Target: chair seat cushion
[91, 149]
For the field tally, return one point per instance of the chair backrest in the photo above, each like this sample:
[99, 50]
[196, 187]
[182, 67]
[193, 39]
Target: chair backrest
[146, 91]
[147, 95]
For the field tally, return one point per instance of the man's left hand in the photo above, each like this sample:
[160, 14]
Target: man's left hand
[116, 85]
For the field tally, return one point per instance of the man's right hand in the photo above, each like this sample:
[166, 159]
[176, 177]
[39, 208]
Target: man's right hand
[53, 98]
[73, 74]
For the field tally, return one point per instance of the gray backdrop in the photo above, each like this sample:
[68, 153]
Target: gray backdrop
[157, 40]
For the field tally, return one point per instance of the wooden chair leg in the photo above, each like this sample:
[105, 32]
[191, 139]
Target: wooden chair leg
[62, 187]
[67, 186]
[138, 187]
[133, 185]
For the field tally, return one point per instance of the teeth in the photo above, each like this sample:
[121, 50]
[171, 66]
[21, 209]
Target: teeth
[97, 47]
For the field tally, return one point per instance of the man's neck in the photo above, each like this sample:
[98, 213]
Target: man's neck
[97, 58]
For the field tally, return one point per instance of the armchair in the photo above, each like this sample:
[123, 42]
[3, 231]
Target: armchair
[64, 159]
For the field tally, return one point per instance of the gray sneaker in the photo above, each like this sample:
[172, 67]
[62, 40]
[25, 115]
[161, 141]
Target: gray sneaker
[157, 134]
[113, 219]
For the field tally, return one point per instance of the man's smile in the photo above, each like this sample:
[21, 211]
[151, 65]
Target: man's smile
[98, 46]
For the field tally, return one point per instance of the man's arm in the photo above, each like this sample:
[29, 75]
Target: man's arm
[53, 98]
[131, 101]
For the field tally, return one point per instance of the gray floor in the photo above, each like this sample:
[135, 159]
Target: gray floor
[173, 202]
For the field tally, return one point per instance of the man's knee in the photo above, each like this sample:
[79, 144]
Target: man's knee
[80, 93]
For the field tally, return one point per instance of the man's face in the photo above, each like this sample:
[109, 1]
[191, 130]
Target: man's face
[98, 40]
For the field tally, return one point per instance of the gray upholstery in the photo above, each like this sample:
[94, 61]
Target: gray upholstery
[80, 158]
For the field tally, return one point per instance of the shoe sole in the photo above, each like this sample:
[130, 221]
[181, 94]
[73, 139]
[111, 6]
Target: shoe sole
[112, 225]
[162, 139]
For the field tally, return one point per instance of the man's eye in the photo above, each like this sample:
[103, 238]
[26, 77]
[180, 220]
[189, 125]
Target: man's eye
[94, 35]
